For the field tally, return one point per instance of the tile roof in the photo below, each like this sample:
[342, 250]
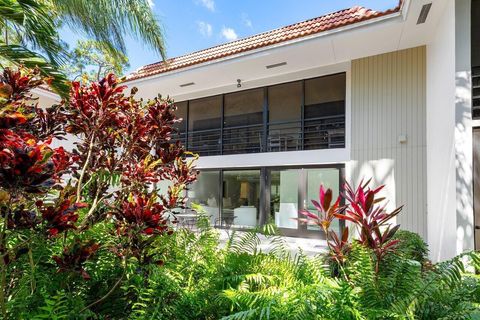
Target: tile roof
[298, 30]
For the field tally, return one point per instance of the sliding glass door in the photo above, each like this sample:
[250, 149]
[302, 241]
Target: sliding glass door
[284, 197]
[246, 198]
[329, 178]
[291, 191]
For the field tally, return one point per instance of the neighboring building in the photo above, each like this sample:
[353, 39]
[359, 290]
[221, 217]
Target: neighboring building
[350, 95]
[46, 97]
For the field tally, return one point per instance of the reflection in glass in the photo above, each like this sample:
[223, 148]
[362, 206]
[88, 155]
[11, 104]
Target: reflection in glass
[324, 126]
[205, 118]
[206, 192]
[329, 178]
[284, 116]
[284, 198]
[243, 122]
[181, 127]
[241, 198]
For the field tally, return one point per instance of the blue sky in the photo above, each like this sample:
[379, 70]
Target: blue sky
[191, 25]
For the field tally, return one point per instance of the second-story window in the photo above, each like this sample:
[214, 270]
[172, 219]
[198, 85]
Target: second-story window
[324, 114]
[243, 122]
[204, 125]
[181, 127]
[299, 115]
[284, 117]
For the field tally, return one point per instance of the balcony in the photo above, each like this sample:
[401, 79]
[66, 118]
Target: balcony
[317, 133]
[299, 115]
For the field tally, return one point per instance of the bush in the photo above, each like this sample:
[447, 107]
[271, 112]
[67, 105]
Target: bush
[411, 246]
[102, 245]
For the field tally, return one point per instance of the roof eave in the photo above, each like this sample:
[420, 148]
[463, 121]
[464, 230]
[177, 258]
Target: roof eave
[400, 13]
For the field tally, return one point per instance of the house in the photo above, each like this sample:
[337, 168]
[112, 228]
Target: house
[351, 95]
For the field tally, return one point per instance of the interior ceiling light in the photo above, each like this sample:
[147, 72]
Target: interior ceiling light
[424, 13]
[187, 84]
[276, 65]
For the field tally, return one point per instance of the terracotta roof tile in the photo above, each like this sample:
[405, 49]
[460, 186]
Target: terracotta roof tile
[298, 30]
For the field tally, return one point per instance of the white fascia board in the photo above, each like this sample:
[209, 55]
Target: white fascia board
[272, 159]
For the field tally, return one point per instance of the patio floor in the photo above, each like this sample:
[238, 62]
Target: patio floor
[309, 247]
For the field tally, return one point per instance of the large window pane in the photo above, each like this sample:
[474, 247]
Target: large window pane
[181, 127]
[325, 112]
[206, 192]
[329, 178]
[204, 125]
[243, 117]
[284, 197]
[241, 198]
[284, 116]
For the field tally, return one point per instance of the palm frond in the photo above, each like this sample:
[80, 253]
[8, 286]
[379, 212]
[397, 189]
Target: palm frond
[19, 55]
[107, 21]
[35, 25]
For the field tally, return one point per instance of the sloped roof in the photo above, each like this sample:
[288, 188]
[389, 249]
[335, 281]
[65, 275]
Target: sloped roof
[295, 31]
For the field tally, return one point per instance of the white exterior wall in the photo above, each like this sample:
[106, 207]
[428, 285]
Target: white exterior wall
[45, 98]
[388, 103]
[441, 138]
[463, 128]
[449, 135]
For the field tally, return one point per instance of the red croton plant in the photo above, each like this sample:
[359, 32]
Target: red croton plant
[123, 147]
[365, 210]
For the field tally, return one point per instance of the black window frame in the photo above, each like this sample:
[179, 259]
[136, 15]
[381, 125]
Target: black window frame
[266, 123]
[265, 195]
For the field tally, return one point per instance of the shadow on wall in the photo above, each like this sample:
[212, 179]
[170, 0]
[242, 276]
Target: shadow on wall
[463, 163]
[381, 172]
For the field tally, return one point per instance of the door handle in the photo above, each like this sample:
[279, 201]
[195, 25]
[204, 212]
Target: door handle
[477, 227]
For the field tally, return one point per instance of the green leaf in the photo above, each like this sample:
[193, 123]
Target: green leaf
[19, 55]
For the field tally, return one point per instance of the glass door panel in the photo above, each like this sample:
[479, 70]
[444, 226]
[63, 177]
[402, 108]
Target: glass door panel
[284, 197]
[329, 178]
[241, 198]
[206, 192]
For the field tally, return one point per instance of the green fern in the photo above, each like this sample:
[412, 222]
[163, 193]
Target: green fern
[55, 308]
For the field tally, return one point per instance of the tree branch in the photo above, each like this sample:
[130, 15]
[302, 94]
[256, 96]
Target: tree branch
[84, 169]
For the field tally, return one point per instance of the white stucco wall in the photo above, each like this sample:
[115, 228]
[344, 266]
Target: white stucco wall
[45, 98]
[449, 134]
[463, 128]
[440, 138]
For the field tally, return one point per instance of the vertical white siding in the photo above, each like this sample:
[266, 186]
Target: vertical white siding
[388, 101]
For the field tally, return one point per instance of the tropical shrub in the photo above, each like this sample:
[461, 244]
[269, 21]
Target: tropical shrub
[65, 213]
[86, 234]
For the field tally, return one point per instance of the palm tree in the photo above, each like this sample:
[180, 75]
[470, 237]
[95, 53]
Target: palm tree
[35, 23]
[107, 21]
[28, 22]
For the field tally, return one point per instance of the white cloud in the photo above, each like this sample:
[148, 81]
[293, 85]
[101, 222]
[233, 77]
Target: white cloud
[209, 4]
[151, 3]
[205, 28]
[229, 34]
[246, 21]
